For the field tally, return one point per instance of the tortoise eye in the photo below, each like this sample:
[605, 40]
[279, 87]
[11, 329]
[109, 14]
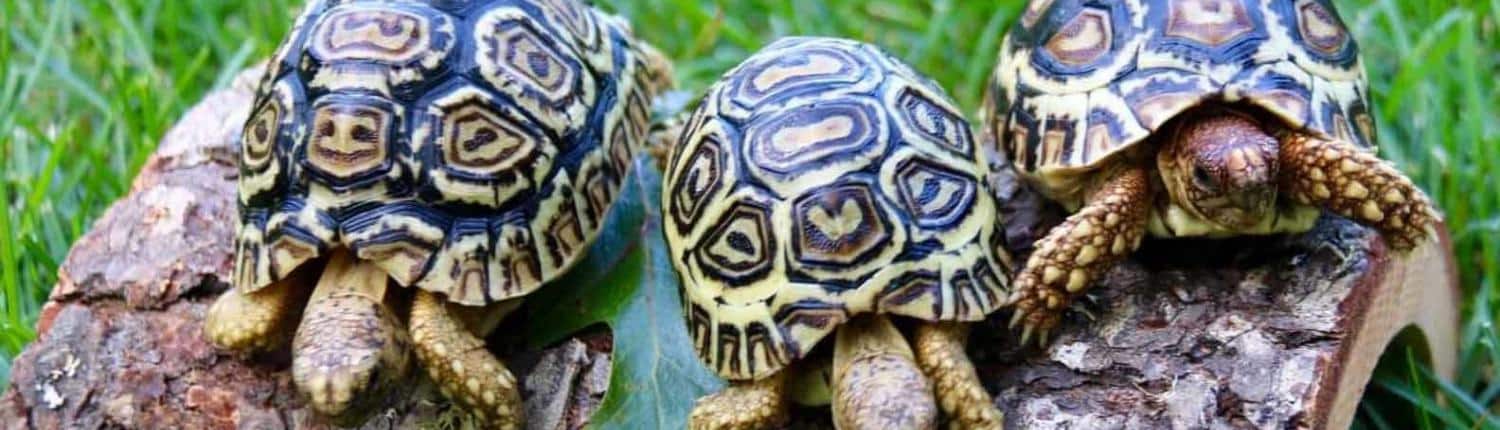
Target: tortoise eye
[1202, 177]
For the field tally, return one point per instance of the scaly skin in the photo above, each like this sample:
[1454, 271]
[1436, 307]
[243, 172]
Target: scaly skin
[350, 351]
[743, 405]
[877, 384]
[465, 371]
[1357, 185]
[261, 320]
[1077, 252]
[940, 354]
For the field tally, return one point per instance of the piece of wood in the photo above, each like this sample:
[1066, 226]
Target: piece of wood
[1260, 332]
[120, 341]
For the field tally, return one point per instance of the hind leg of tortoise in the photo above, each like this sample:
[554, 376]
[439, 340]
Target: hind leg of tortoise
[877, 384]
[260, 320]
[743, 405]
[350, 351]
[456, 358]
[940, 354]
[1357, 185]
[1072, 255]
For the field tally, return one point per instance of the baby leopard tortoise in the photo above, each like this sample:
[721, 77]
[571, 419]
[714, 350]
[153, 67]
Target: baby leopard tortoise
[820, 186]
[466, 151]
[1186, 118]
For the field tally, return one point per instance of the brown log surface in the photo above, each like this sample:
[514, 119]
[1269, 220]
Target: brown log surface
[1271, 332]
[1254, 332]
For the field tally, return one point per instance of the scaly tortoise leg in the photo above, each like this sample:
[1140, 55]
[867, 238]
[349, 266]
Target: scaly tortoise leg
[1357, 185]
[1077, 252]
[457, 360]
[350, 351]
[940, 354]
[743, 405]
[877, 384]
[260, 320]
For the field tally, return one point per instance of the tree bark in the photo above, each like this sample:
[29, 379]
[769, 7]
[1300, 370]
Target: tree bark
[1254, 332]
[1270, 332]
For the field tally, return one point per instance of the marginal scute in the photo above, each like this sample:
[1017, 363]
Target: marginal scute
[913, 292]
[288, 251]
[1279, 88]
[806, 179]
[400, 240]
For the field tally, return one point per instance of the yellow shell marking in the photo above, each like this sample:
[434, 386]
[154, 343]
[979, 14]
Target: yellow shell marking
[348, 139]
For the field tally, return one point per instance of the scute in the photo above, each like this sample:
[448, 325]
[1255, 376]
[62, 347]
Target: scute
[1060, 104]
[808, 179]
[373, 133]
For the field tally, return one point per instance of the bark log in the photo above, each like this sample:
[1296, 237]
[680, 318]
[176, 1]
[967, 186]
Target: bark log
[1272, 332]
[1255, 332]
[119, 340]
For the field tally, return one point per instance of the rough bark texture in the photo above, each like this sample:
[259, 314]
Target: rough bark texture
[1264, 332]
[120, 342]
[1273, 332]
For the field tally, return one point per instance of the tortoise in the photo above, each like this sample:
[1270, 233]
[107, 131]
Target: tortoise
[409, 172]
[823, 186]
[1185, 118]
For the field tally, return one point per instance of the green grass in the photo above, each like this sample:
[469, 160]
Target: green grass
[88, 87]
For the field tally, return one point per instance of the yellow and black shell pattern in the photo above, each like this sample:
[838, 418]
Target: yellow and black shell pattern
[1079, 82]
[467, 148]
[820, 179]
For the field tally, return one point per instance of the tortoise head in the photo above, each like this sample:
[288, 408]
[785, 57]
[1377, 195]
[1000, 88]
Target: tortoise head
[1221, 165]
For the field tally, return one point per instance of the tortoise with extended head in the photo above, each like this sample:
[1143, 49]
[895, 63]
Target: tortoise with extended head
[819, 187]
[466, 150]
[1186, 118]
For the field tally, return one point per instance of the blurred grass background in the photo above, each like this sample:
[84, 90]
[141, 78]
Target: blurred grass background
[88, 87]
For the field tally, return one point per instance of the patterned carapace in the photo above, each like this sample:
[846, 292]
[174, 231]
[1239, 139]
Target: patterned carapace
[821, 179]
[467, 148]
[1081, 81]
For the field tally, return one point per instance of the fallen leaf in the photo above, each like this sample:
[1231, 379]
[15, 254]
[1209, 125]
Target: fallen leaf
[627, 282]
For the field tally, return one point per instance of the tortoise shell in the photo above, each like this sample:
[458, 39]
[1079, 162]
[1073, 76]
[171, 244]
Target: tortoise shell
[1081, 83]
[467, 148]
[820, 179]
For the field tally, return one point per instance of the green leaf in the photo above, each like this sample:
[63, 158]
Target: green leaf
[627, 282]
